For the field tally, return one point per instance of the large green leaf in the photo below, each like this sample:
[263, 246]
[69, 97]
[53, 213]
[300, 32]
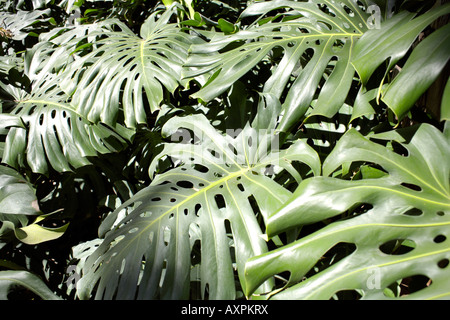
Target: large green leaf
[196, 216]
[315, 38]
[45, 129]
[422, 68]
[411, 203]
[391, 43]
[123, 68]
[20, 24]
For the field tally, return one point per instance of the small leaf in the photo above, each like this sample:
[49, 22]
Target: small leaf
[226, 26]
[34, 233]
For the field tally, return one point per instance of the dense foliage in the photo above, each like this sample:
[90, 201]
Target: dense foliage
[205, 149]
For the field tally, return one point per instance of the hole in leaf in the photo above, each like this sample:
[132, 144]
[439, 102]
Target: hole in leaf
[269, 170]
[201, 168]
[220, 201]
[399, 149]
[349, 11]
[413, 284]
[133, 230]
[156, 199]
[206, 292]
[397, 246]
[196, 253]
[233, 149]
[250, 141]
[241, 187]
[281, 279]
[197, 209]
[186, 212]
[413, 212]
[253, 204]
[166, 235]
[336, 254]
[440, 213]
[346, 295]
[185, 184]
[443, 263]
[440, 238]
[359, 209]
[411, 186]
[214, 153]
[151, 236]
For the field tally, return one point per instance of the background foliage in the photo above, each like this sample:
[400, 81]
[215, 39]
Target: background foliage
[224, 149]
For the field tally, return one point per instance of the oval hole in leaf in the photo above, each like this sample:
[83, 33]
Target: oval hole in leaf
[411, 186]
[346, 295]
[443, 263]
[413, 284]
[133, 230]
[201, 168]
[220, 201]
[440, 238]
[413, 212]
[397, 246]
[336, 254]
[185, 184]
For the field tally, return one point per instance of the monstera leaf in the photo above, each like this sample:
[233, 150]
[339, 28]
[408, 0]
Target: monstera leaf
[44, 130]
[203, 215]
[123, 68]
[316, 38]
[20, 24]
[391, 43]
[404, 233]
